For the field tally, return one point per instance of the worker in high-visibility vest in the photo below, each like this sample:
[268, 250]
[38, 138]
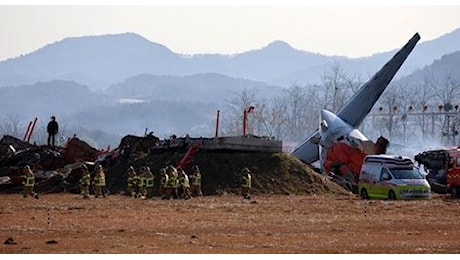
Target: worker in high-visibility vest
[149, 179]
[176, 183]
[195, 180]
[163, 179]
[246, 183]
[85, 182]
[99, 182]
[141, 183]
[184, 185]
[29, 183]
[132, 182]
[171, 183]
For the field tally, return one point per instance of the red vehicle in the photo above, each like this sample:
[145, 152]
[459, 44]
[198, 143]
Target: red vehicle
[443, 168]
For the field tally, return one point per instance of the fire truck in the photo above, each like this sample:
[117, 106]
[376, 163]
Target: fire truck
[443, 168]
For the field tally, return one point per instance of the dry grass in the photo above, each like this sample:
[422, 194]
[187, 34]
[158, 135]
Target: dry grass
[228, 224]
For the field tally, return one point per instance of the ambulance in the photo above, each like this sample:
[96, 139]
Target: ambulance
[391, 177]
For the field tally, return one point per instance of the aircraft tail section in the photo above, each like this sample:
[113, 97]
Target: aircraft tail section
[359, 106]
[362, 102]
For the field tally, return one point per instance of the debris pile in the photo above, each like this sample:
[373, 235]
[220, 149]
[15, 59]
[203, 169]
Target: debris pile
[59, 169]
[52, 166]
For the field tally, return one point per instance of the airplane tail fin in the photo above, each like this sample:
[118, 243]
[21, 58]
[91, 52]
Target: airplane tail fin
[362, 102]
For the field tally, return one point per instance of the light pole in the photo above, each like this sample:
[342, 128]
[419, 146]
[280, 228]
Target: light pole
[217, 124]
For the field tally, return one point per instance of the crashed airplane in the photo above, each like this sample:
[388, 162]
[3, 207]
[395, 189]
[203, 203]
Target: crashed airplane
[338, 134]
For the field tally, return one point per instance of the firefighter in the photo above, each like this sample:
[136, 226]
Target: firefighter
[163, 179]
[132, 182]
[176, 183]
[99, 182]
[195, 180]
[184, 185]
[246, 183]
[85, 182]
[141, 183]
[149, 180]
[170, 185]
[29, 183]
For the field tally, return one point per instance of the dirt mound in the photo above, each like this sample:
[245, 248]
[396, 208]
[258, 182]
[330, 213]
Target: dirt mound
[275, 173]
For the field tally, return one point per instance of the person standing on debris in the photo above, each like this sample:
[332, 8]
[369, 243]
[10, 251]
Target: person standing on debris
[85, 182]
[52, 130]
[149, 179]
[29, 183]
[99, 182]
[132, 182]
[246, 183]
[195, 179]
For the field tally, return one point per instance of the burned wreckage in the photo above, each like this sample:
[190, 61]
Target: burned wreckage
[55, 169]
[59, 169]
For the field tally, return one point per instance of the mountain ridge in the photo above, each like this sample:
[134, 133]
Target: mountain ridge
[102, 60]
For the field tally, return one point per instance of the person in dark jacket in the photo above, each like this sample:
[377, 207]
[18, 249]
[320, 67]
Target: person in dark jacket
[52, 130]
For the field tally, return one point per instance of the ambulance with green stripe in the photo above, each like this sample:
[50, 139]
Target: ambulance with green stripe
[391, 177]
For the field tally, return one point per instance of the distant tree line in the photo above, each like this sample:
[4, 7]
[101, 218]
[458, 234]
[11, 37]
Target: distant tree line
[408, 113]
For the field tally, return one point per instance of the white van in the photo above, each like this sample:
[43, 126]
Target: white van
[391, 177]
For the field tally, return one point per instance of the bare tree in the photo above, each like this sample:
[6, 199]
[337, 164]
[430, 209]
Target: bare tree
[406, 97]
[424, 96]
[302, 109]
[338, 87]
[448, 90]
[331, 82]
[11, 125]
[386, 123]
[448, 93]
[232, 117]
[271, 119]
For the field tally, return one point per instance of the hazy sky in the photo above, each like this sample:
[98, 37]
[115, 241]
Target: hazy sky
[330, 29]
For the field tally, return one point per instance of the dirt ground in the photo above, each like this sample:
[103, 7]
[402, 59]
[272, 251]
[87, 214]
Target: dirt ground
[65, 223]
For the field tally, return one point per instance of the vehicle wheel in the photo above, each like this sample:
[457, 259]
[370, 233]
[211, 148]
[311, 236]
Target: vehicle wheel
[364, 194]
[454, 192]
[391, 195]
